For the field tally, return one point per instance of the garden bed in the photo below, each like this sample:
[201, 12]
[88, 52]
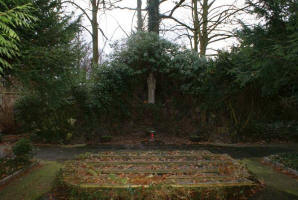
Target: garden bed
[16, 160]
[10, 167]
[158, 174]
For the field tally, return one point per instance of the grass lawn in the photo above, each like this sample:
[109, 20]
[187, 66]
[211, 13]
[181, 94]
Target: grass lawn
[278, 185]
[32, 185]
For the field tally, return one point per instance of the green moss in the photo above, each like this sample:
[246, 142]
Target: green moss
[32, 185]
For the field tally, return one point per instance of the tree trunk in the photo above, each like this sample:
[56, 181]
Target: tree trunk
[151, 81]
[139, 15]
[153, 16]
[95, 59]
[153, 26]
[196, 25]
[204, 35]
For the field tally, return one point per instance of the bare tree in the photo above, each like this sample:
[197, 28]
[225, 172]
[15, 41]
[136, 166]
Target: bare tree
[96, 6]
[209, 22]
[154, 18]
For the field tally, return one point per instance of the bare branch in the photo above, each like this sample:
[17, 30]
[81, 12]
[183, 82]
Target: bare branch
[127, 8]
[103, 33]
[162, 1]
[173, 9]
[178, 21]
[107, 4]
[120, 26]
[222, 38]
[220, 20]
[84, 27]
[79, 7]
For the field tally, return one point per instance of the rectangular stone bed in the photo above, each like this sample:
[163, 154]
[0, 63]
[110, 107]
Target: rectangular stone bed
[157, 175]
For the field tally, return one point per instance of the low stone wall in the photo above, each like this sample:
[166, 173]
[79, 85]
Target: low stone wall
[17, 173]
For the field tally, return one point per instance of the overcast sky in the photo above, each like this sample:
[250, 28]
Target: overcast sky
[118, 23]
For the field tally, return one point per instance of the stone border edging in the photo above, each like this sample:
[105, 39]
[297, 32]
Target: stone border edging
[19, 172]
[281, 166]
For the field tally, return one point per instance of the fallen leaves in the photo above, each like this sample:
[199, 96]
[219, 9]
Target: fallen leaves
[155, 167]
